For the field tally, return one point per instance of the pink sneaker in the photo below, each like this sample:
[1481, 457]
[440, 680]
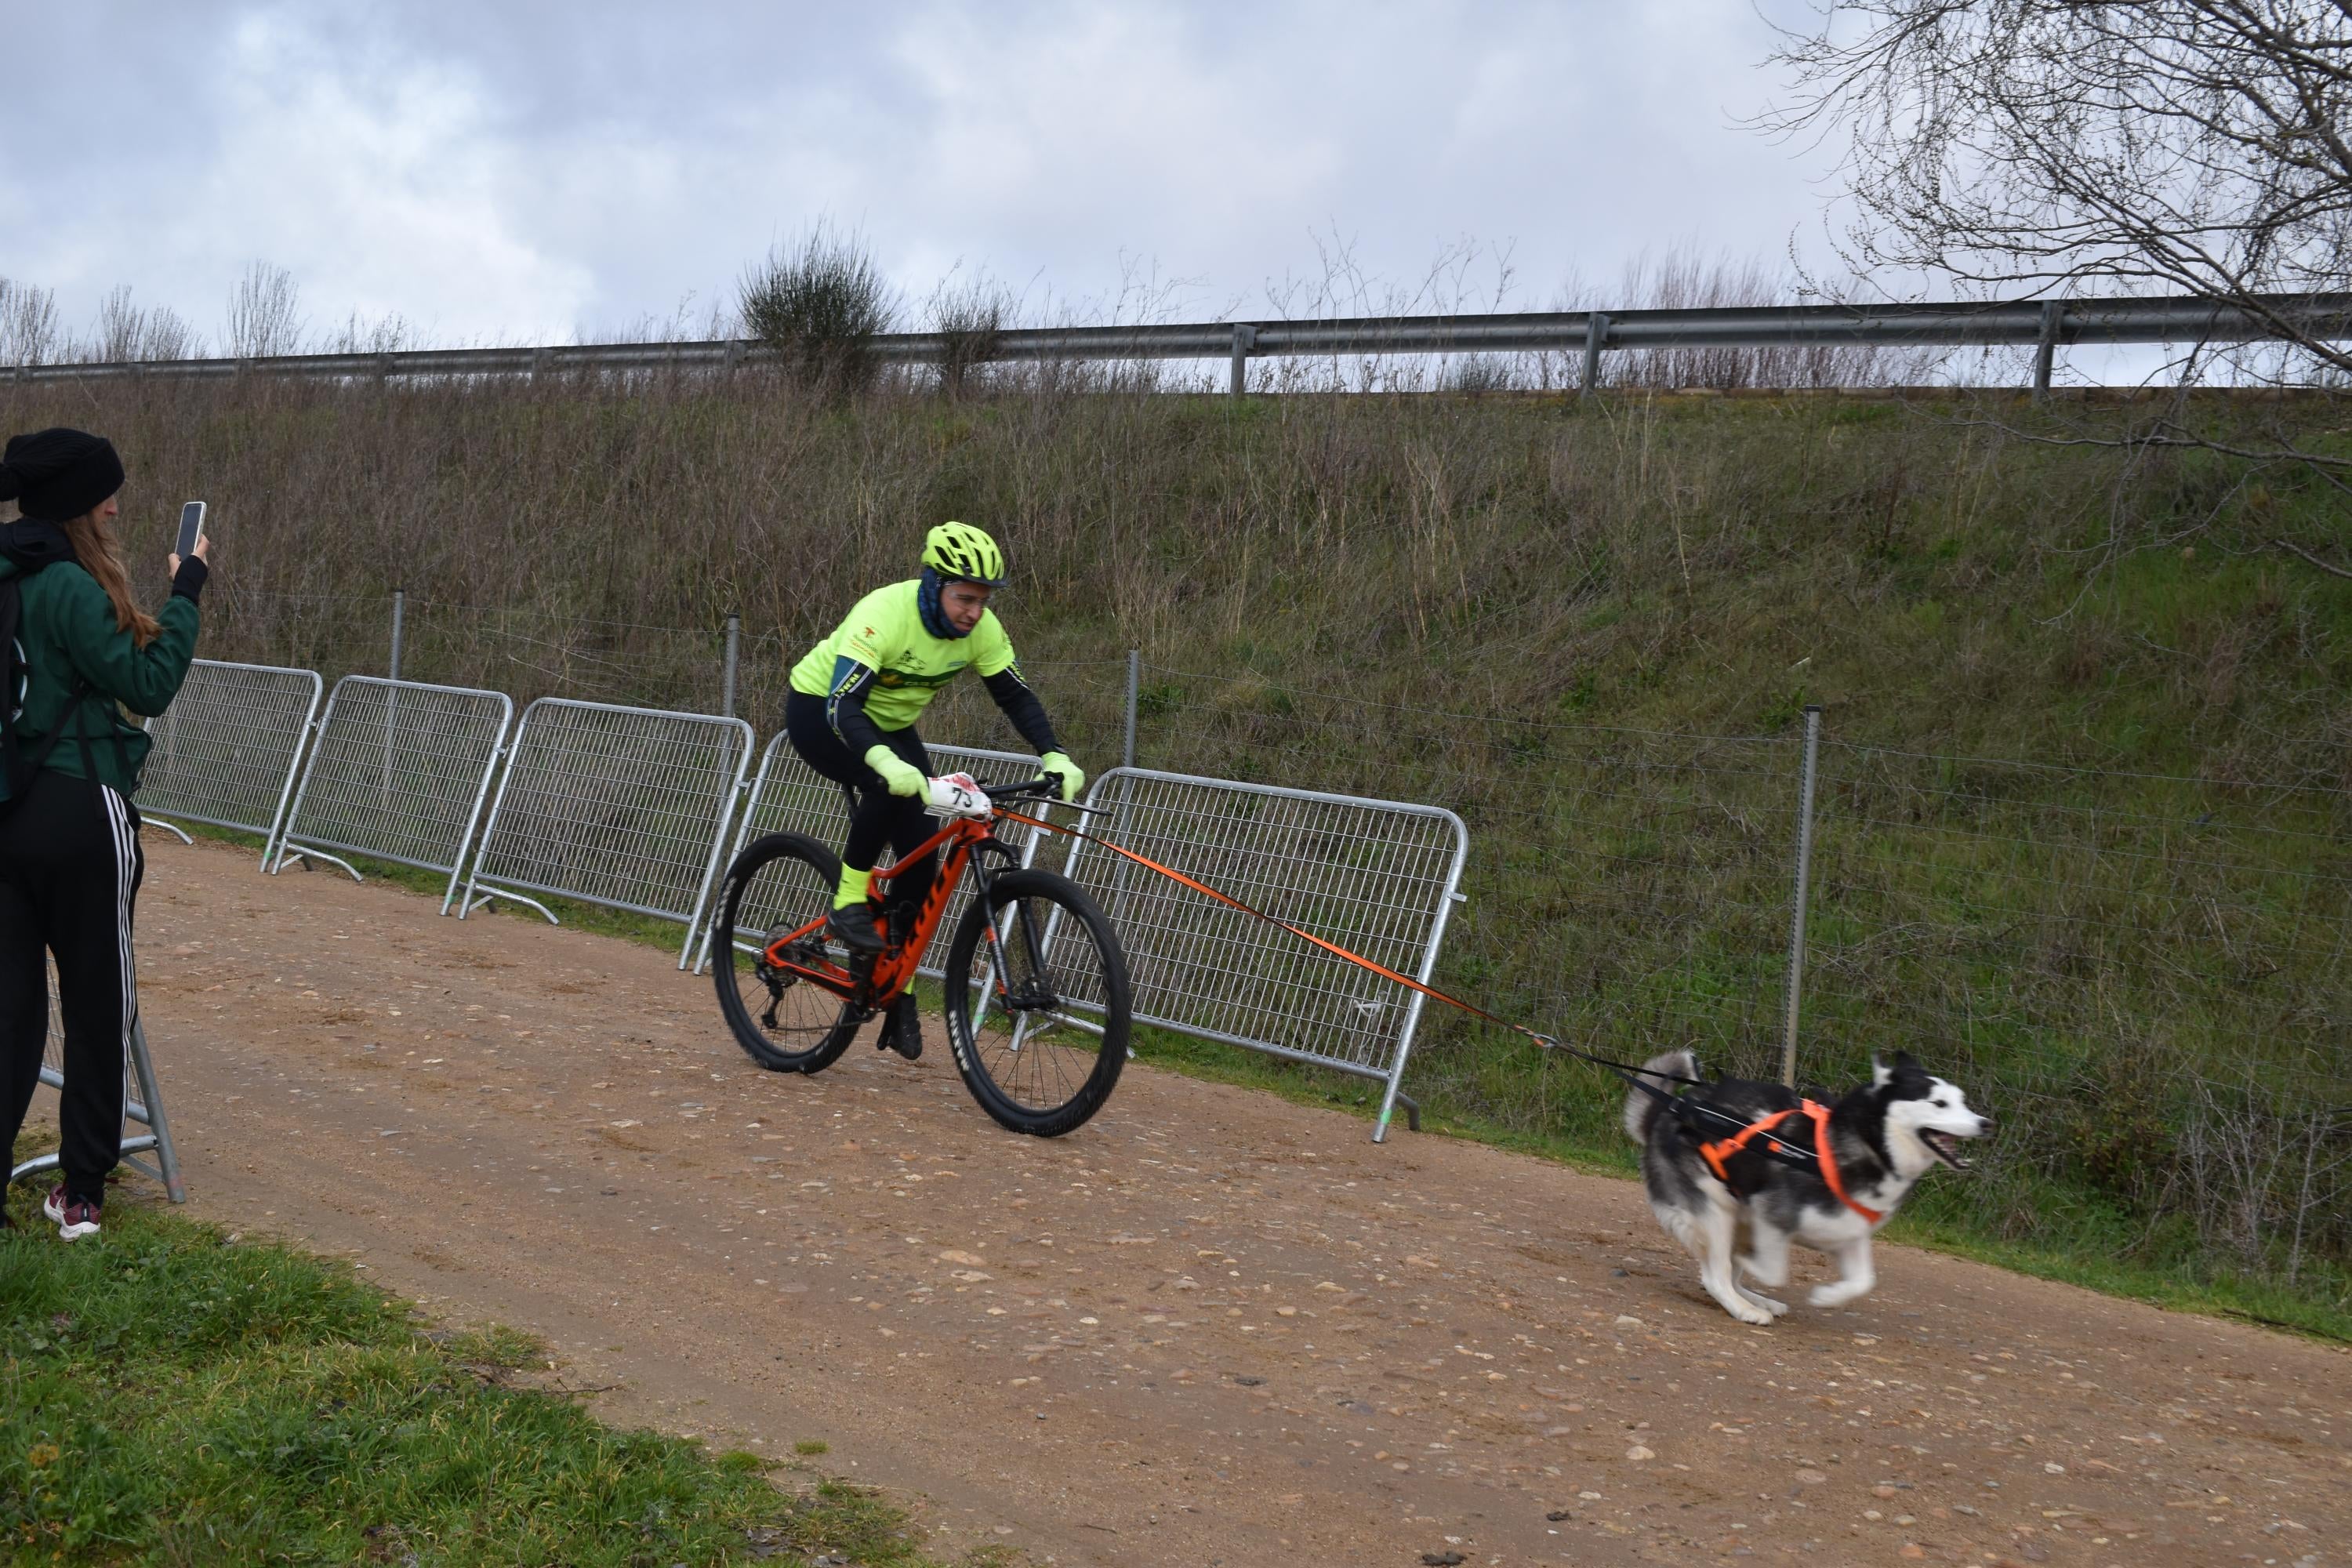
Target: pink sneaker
[75, 1218]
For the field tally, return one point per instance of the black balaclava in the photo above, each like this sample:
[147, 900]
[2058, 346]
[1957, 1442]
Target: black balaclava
[935, 613]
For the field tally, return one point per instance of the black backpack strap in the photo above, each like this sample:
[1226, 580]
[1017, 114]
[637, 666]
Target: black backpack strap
[81, 731]
[21, 777]
[81, 690]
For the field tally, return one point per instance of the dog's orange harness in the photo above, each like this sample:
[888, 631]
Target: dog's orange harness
[1723, 1149]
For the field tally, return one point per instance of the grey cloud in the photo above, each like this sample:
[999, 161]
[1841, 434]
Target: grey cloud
[507, 171]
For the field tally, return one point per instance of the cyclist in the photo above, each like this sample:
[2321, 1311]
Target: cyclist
[851, 716]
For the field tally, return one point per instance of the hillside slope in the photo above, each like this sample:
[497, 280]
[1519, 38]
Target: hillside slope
[1590, 630]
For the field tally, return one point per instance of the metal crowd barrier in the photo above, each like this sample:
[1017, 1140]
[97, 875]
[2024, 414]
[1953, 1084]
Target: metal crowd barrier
[142, 1102]
[225, 749]
[399, 771]
[631, 807]
[1377, 877]
[788, 795]
[623, 807]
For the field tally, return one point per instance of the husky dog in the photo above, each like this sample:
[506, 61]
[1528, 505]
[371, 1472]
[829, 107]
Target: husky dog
[1883, 1137]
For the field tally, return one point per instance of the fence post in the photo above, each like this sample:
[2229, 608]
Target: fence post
[1797, 898]
[1245, 340]
[399, 616]
[2052, 310]
[1596, 333]
[1134, 692]
[726, 681]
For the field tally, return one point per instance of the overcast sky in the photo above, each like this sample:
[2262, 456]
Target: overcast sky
[520, 171]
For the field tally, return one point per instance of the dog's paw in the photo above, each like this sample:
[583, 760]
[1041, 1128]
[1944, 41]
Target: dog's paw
[1835, 1295]
[1769, 1305]
[1759, 1316]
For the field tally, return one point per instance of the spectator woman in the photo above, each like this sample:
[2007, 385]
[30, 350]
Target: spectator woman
[69, 856]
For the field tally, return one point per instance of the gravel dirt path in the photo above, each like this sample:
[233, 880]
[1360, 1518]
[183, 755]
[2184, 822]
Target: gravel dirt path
[1211, 1328]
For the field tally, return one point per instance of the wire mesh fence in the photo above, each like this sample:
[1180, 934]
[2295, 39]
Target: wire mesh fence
[1376, 876]
[621, 806]
[530, 653]
[2146, 975]
[399, 771]
[224, 752]
[1627, 887]
[2144, 978]
[789, 797]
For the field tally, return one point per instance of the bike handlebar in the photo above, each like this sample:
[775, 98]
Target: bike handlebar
[1047, 786]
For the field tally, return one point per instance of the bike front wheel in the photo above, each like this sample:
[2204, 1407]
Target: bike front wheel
[1037, 1003]
[783, 1020]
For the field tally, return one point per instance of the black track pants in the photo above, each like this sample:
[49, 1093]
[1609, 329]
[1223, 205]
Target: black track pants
[69, 870]
[875, 816]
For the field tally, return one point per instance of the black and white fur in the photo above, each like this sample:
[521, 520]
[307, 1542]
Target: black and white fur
[1885, 1135]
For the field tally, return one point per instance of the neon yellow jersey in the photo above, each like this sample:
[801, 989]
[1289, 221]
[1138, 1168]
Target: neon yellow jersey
[884, 632]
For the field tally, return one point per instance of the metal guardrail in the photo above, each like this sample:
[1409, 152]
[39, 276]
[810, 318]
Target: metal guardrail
[789, 796]
[398, 770]
[2044, 325]
[626, 807]
[225, 750]
[1377, 877]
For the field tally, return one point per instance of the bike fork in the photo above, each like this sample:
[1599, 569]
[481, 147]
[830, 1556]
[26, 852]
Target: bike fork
[997, 971]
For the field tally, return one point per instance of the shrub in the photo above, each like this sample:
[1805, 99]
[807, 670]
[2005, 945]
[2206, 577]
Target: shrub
[819, 304]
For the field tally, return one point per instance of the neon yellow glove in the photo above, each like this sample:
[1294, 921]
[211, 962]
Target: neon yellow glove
[1059, 764]
[902, 776]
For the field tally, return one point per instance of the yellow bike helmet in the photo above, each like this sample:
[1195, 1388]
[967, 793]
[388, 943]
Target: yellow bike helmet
[959, 553]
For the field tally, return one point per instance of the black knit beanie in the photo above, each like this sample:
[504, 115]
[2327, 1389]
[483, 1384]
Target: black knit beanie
[57, 474]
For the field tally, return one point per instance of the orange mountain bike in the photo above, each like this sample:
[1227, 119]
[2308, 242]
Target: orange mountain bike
[1035, 983]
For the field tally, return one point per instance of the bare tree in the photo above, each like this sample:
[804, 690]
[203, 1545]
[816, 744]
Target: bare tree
[28, 324]
[2193, 147]
[384, 334]
[264, 314]
[126, 332]
[970, 312]
[2189, 146]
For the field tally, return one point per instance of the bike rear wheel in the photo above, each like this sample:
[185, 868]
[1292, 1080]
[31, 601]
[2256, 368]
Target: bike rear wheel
[1037, 1003]
[785, 1021]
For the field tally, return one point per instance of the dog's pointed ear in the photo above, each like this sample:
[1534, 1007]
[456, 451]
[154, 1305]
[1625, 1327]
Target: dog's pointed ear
[1880, 1072]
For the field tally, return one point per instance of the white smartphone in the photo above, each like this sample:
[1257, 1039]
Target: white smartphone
[192, 528]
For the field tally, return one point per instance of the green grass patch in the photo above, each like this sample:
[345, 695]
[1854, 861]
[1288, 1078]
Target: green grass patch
[174, 1398]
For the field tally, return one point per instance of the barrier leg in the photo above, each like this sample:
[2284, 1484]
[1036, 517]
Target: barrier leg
[167, 1158]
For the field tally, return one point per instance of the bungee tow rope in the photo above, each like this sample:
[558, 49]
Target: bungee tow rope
[1683, 1109]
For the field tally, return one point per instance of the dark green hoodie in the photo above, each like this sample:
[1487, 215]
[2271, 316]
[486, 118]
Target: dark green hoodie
[71, 639]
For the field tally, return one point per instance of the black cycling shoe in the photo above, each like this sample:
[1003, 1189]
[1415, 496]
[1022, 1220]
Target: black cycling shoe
[853, 926]
[902, 1027]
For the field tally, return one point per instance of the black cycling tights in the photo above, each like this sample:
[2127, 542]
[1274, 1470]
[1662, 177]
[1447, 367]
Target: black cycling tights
[875, 816]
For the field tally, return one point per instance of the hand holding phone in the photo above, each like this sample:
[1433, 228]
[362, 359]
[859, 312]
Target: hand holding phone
[192, 528]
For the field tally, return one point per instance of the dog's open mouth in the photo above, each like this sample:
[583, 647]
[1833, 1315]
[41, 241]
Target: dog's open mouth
[1945, 1146]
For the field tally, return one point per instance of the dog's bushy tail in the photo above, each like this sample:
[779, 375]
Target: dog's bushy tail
[1641, 1109]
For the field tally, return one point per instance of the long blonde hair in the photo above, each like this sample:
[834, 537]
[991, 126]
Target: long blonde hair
[94, 546]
